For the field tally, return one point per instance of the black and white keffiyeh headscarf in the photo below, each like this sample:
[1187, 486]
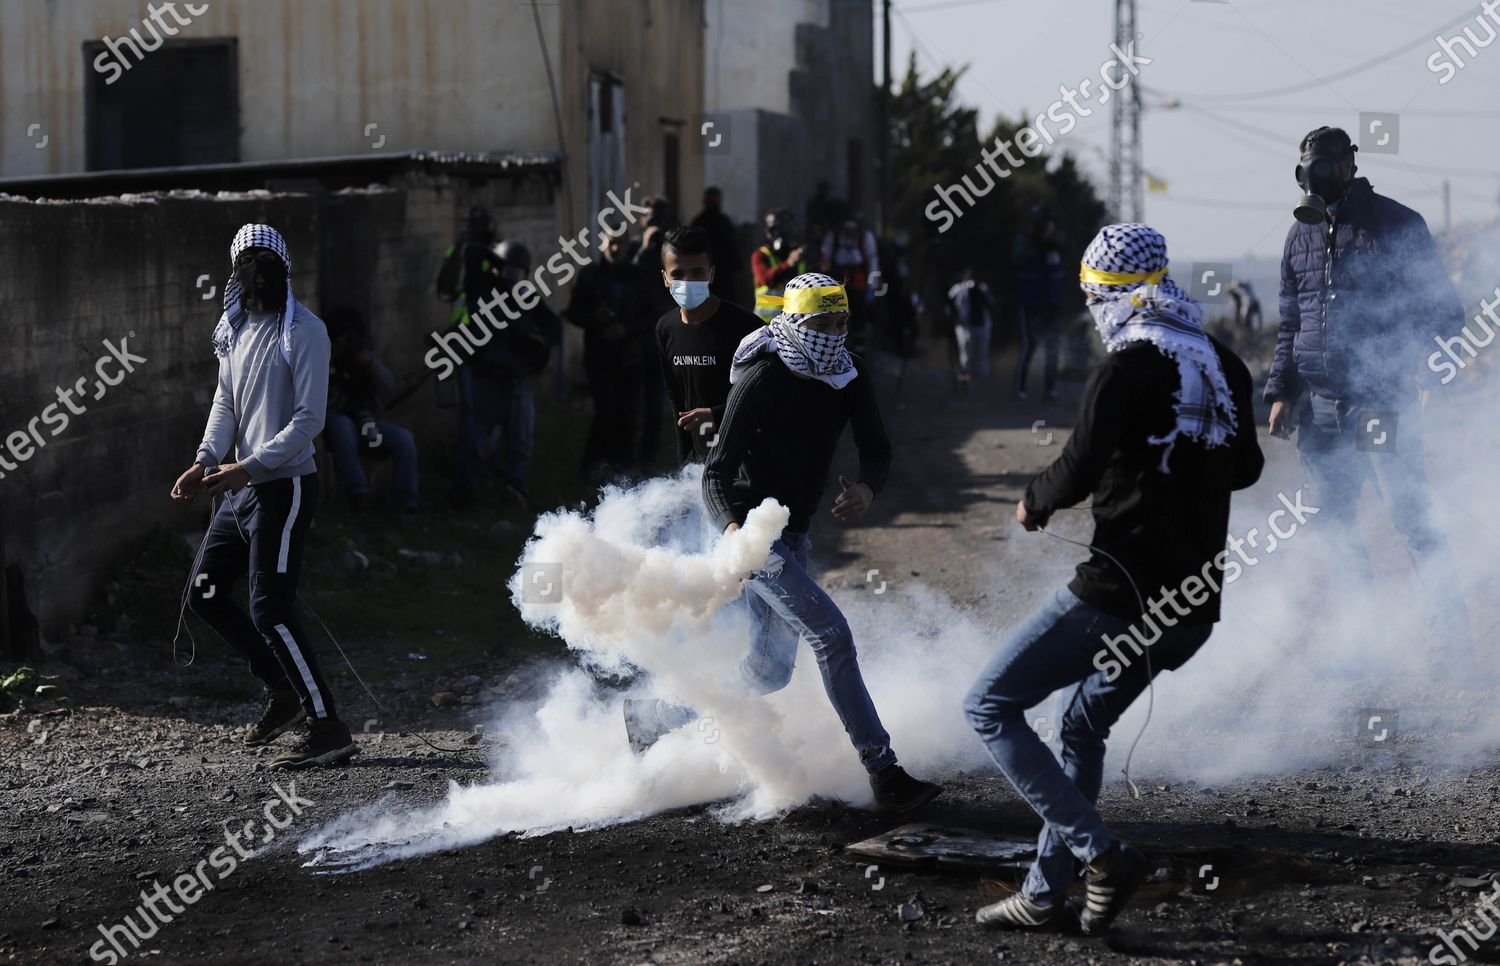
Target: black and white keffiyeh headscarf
[252, 236]
[1133, 299]
[815, 354]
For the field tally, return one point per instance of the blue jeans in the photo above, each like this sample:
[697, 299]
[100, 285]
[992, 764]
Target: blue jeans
[1051, 649]
[787, 606]
[342, 436]
[488, 402]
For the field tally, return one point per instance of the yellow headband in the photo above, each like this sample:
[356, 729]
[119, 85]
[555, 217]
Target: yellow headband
[1096, 277]
[807, 301]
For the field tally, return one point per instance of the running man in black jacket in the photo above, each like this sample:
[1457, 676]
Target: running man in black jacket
[1160, 469]
[795, 388]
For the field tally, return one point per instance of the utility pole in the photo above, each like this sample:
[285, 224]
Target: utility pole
[1127, 197]
[1447, 206]
[883, 157]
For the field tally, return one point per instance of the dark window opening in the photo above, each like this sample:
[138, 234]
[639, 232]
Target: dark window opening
[671, 169]
[855, 172]
[176, 105]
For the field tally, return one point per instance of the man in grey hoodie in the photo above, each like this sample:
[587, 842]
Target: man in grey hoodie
[271, 400]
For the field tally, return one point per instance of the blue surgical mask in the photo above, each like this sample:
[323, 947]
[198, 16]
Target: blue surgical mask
[689, 295]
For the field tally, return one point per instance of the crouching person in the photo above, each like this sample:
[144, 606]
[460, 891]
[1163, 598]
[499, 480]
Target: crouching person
[795, 388]
[1165, 432]
[270, 404]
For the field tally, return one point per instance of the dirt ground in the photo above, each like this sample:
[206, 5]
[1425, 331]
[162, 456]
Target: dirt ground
[1366, 860]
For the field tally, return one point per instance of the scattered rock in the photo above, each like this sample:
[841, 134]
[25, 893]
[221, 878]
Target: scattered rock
[629, 917]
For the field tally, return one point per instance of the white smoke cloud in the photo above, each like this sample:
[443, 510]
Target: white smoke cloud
[645, 583]
[1302, 650]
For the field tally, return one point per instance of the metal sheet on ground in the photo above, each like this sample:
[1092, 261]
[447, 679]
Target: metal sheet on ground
[928, 845]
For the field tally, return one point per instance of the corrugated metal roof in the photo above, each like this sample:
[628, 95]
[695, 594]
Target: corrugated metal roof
[338, 171]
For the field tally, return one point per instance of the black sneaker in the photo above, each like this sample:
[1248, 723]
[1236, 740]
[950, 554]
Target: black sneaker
[283, 712]
[896, 791]
[326, 742]
[1019, 912]
[1110, 889]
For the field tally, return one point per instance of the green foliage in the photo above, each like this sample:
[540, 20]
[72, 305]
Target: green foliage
[23, 687]
[935, 141]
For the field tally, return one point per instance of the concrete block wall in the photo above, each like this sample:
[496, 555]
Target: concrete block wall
[73, 275]
[127, 269]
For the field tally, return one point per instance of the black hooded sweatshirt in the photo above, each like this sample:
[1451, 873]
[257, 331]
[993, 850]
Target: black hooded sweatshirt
[1163, 528]
[778, 437]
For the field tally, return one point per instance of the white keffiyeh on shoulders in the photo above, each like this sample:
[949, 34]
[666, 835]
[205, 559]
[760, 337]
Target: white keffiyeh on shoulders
[1133, 299]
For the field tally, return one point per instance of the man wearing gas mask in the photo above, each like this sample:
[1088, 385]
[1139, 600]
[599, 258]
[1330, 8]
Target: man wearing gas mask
[1362, 290]
[270, 403]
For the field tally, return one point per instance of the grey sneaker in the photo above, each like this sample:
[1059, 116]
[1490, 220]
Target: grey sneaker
[647, 719]
[1019, 912]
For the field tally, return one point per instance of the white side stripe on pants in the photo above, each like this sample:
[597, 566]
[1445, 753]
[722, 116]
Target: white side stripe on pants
[286, 530]
[307, 678]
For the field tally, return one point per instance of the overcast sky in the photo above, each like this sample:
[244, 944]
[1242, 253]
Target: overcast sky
[1227, 153]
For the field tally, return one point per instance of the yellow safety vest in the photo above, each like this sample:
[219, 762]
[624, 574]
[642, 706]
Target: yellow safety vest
[767, 314]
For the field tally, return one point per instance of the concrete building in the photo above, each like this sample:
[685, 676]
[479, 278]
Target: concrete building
[136, 135]
[90, 85]
[363, 128]
[802, 73]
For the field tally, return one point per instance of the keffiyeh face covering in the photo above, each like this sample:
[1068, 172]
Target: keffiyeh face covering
[819, 355]
[237, 294]
[1133, 299]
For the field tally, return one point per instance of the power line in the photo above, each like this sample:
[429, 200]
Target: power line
[946, 4]
[917, 41]
[1359, 68]
[1220, 203]
[1325, 110]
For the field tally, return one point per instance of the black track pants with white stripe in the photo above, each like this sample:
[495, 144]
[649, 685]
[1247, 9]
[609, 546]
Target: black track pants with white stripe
[263, 529]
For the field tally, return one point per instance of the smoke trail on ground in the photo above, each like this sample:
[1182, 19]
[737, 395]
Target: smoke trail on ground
[645, 583]
[1307, 653]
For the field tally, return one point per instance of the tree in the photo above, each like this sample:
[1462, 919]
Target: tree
[935, 142]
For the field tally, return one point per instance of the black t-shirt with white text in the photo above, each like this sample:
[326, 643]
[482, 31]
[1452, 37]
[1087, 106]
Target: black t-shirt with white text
[695, 361]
